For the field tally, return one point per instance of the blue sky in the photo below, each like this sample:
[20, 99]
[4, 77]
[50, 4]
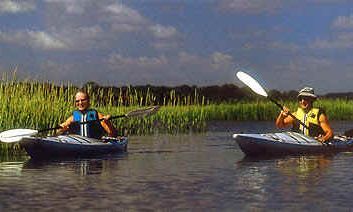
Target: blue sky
[286, 44]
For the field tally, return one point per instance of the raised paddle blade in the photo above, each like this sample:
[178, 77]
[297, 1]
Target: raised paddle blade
[251, 83]
[142, 112]
[15, 135]
[257, 88]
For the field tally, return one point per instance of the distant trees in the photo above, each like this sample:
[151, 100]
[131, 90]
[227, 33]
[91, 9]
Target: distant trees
[186, 95]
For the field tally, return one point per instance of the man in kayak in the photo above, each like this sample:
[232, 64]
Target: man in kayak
[315, 119]
[85, 121]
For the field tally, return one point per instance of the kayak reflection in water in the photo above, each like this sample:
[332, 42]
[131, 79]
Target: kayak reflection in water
[315, 119]
[84, 121]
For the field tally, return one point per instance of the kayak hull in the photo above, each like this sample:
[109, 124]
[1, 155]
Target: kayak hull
[72, 146]
[289, 143]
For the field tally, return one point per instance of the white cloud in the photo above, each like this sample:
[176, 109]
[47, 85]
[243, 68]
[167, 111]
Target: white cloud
[164, 37]
[313, 71]
[141, 62]
[187, 58]
[251, 6]
[43, 40]
[284, 46]
[138, 70]
[184, 67]
[163, 32]
[34, 39]
[341, 41]
[163, 45]
[342, 37]
[343, 22]
[269, 6]
[71, 6]
[104, 24]
[80, 38]
[122, 18]
[8, 6]
[220, 58]
[328, 1]
[122, 13]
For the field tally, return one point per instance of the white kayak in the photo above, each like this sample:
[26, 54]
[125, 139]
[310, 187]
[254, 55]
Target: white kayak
[289, 143]
[72, 146]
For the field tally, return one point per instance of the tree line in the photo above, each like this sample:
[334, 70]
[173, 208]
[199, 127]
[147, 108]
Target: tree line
[185, 94]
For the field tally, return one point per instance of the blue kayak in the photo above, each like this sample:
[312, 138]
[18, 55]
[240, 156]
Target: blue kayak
[72, 146]
[290, 143]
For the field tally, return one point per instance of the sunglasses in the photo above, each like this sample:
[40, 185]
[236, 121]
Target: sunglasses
[305, 98]
[80, 100]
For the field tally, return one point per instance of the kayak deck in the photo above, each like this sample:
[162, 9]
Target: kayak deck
[289, 143]
[72, 146]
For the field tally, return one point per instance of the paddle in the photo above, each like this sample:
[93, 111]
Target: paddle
[257, 88]
[15, 135]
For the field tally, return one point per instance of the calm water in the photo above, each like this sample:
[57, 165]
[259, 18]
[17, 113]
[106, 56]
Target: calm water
[194, 172]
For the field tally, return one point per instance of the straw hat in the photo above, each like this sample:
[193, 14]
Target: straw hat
[307, 92]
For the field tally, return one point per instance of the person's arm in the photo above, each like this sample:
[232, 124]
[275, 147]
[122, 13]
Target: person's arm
[284, 120]
[107, 125]
[65, 126]
[323, 121]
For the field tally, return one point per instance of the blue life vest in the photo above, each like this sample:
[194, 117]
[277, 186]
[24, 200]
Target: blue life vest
[91, 129]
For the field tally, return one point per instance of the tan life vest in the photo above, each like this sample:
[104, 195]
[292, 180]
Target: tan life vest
[311, 120]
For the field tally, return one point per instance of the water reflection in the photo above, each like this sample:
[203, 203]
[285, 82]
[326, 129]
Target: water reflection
[292, 165]
[10, 169]
[286, 177]
[11, 165]
[179, 173]
[304, 166]
[304, 171]
[81, 167]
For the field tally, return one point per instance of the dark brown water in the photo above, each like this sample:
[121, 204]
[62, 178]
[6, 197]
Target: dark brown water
[197, 172]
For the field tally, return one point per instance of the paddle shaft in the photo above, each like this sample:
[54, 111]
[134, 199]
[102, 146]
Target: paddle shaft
[289, 113]
[77, 122]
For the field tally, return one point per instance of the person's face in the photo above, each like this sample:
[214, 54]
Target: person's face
[305, 102]
[81, 101]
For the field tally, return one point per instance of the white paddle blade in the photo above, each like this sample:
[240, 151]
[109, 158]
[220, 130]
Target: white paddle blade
[15, 135]
[251, 83]
[11, 139]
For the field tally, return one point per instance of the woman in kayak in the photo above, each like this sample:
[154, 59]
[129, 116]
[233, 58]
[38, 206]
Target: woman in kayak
[315, 119]
[91, 126]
